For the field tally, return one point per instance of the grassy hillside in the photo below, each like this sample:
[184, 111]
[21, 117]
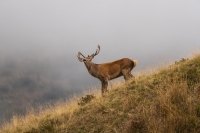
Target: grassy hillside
[167, 100]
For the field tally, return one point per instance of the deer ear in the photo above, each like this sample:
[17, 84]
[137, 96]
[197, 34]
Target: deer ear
[80, 59]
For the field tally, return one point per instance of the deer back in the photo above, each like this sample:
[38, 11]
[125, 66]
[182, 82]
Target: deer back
[114, 69]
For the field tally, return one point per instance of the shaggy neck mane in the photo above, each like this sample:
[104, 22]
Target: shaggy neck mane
[92, 68]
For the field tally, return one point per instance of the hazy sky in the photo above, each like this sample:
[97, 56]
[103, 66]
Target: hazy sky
[149, 31]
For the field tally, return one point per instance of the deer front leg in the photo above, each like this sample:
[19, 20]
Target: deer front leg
[104, 86]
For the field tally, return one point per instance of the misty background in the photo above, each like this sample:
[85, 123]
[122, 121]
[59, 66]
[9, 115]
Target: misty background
[39, 41]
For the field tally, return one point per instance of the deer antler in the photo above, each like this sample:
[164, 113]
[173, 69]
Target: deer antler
[97, 51]
[79, 53]
[79, 58]
[89, 57]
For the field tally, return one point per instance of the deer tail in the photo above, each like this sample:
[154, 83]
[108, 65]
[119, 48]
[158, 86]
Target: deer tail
[135, 62]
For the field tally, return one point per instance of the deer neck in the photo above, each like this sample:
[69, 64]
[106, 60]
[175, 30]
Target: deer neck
[92, 68]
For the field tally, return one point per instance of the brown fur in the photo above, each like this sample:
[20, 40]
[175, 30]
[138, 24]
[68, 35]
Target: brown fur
[108, 71]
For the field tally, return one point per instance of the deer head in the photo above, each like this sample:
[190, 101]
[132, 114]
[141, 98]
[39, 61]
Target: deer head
[89, 58]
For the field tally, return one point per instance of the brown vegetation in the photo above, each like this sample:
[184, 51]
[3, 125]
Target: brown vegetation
[165, 101]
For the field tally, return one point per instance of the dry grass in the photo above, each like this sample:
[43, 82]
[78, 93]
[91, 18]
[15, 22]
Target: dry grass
[163, 101]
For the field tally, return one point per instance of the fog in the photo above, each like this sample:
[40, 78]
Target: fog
[54, 31]
[148, 31]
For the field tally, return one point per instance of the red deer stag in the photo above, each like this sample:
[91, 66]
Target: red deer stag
[108, 71]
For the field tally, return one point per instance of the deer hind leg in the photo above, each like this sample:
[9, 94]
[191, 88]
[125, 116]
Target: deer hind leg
[127, 74]
[104, 86]
[131, 76]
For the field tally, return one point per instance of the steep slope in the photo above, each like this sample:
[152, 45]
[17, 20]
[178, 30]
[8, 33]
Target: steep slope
[167, 100]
